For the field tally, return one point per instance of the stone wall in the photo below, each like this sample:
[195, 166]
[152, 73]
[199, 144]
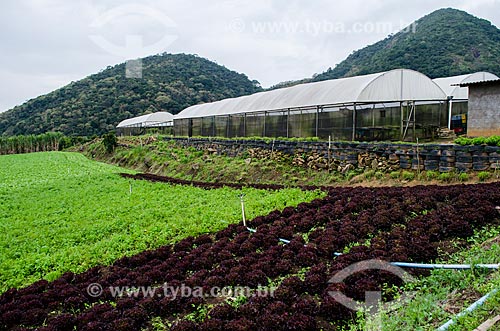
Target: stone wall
[344, 156]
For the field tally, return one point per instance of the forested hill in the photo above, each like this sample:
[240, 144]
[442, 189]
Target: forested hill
[94, 105]
[446, 42]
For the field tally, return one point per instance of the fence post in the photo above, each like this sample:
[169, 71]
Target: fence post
[317, 120]
[287, 123]
[354, 123]
[265, 118]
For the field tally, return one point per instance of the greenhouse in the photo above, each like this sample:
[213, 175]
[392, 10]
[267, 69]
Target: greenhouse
[393, 105]
[161, 121]
[451, 85]
[458, 97]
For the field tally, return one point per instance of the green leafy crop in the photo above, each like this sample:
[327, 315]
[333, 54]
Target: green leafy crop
[62, 212]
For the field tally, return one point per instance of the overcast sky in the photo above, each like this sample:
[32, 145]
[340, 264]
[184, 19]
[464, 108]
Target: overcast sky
[45, 44]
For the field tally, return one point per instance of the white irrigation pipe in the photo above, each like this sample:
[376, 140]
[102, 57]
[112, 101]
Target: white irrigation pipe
[412, 265]
[470, 309]
[445, 326]
[440, 266]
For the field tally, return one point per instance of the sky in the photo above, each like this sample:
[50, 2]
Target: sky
[46, 44]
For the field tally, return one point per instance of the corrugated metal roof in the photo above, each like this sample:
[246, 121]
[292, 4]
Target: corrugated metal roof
[451, 85]
[486, 82]
[392, 86]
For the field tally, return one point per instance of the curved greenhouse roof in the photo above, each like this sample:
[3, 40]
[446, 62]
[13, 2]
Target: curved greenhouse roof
[449, 84]
[393, 86]
[148, 121]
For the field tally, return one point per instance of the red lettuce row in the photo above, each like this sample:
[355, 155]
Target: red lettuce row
[403, 224]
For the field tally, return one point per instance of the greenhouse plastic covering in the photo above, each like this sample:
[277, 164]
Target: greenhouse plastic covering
[393, 86]
[449, 84]
[148, 121]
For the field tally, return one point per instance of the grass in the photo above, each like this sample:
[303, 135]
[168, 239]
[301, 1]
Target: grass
[62, 212]
[153, 154]
[169, 159]
[445, 293]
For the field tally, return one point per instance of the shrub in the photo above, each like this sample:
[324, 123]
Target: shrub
[491, 141]
[483, 176]
[408, 175]
[395, 174]
[478, 141]
[65, 142]
[110, 142]
[445, 177]
[430, 175]
[463, 177]
[463, 141]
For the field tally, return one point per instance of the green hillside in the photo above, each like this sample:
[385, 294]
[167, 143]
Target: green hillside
[94, 105]
[446, 42]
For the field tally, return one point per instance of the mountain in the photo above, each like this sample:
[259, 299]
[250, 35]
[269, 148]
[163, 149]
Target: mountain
[447, 42]
[289, 83]
[96, 104]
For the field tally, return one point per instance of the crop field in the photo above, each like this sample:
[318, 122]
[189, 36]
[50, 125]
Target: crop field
[391, 224]
[61, 212]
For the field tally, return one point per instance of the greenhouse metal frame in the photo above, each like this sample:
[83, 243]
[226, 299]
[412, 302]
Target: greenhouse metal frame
[160, 121]
[458, 96]
[388, 105]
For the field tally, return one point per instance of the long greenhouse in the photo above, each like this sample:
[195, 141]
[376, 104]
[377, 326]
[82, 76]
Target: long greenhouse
[398, 104]
[161, 121]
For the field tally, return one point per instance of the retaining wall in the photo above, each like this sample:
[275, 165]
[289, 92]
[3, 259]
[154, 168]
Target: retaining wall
[345, 156]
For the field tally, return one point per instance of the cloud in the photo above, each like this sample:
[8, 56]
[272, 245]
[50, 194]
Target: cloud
[46, 43]
[39, 84]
